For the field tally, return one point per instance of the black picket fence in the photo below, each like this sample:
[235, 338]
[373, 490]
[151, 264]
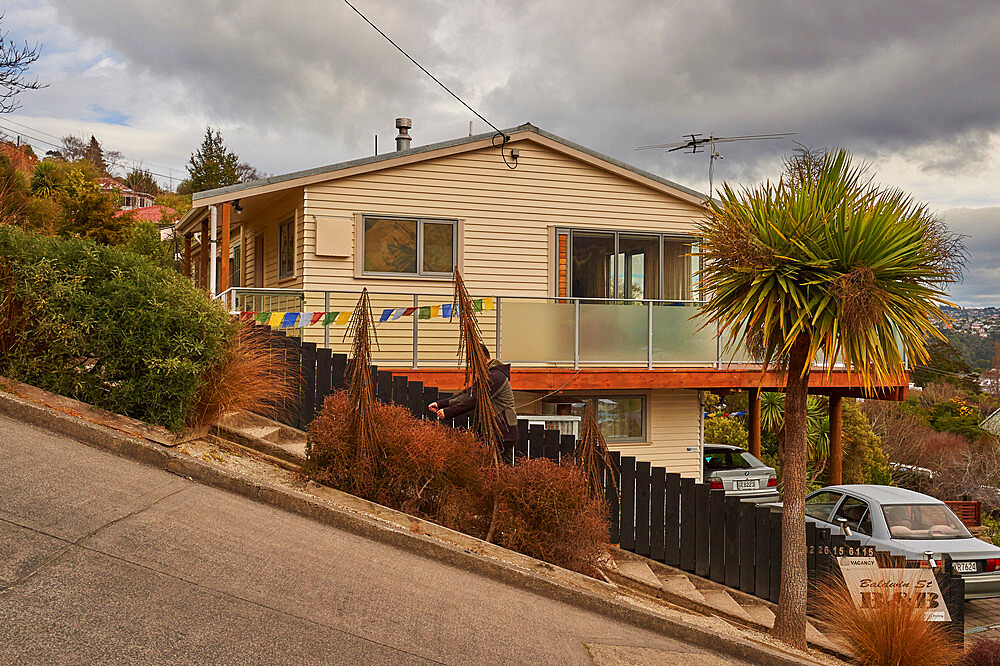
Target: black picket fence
[655, 513]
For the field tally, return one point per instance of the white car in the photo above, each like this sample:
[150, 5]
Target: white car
[739, 473]
[908, 523]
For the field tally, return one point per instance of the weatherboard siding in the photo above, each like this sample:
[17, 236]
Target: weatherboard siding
[673, 426]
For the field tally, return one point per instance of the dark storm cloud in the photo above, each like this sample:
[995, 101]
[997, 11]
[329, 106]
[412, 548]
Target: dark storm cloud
[879, 78]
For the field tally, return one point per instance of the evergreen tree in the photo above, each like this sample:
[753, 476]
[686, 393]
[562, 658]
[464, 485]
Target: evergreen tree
[213, 165]
[141, 180]
[96, 155]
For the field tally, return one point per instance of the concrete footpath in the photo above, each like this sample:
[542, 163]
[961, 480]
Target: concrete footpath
[103, 559]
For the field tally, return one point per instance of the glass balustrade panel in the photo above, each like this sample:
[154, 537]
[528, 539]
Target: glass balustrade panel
[614, 333]
[536, 331]
[677, 338]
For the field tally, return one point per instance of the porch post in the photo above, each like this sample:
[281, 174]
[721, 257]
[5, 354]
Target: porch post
[187, 254]
[836, 450]
[224, 208]
[755, 423]
[213, 267]
[203, 255]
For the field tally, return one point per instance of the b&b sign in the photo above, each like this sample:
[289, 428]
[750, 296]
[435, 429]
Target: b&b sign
[871, 585]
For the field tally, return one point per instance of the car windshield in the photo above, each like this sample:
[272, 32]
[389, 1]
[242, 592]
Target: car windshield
[923, 521]
[720, 459]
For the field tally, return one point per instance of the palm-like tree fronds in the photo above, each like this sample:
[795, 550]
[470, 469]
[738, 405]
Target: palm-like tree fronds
[592, 455]
[477, 371]
[361, 393]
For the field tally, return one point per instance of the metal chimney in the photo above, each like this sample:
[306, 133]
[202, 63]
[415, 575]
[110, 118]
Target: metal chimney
[403, 139]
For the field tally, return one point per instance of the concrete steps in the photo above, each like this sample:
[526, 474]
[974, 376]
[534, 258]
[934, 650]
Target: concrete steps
[263, 435]
[684, 589]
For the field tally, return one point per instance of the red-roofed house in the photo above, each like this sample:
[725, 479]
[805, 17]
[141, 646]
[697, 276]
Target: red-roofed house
[130, 199]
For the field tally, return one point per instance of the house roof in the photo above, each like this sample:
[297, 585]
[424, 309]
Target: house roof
[149, 213]
[526, 131]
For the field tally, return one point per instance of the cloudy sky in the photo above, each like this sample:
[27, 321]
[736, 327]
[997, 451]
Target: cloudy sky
[912, 87]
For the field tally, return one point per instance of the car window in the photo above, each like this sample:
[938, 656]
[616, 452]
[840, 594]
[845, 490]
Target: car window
[718, 460]
[923, 521]
[855, 513]
[753, 462]
[820, 505]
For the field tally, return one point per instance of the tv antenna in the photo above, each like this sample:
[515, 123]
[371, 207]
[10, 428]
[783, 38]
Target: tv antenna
[696, 141]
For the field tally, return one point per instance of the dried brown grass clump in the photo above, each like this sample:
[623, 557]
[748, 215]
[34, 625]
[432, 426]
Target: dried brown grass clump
[252, 377]
[361, 392]
[425, 468]
[592, 455]
[891, 633]
[545, 510]
[982, 652]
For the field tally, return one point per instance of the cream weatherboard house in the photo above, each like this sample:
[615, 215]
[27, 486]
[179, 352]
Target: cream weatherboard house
[584, 267]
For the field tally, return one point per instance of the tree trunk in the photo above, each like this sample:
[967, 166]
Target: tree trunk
[790, 621]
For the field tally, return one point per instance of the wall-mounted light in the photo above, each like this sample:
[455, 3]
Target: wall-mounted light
[514, 154]
[236, 206]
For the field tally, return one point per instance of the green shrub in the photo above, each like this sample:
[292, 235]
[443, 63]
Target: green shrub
[106, 326]
[723, 430]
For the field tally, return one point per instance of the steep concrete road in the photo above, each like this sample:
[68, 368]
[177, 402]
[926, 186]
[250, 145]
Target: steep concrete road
[106, 560]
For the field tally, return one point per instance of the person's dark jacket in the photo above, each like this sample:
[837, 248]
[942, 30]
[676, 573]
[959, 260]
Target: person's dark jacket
[501, 394]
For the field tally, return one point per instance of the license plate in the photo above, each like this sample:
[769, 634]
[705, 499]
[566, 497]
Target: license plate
[964, 567]
[747, 484]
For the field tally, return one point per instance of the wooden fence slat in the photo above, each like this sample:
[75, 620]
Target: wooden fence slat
[748, 531]
[717, 539]
[324, 376]
[415, 398]
[702, 535]
[762, 561]
[551, 443]
[521, 448]
[399, 390]
[430, 395]
[567, 444]
[672, 519]
[642, 489]
[308, 383]
[612, 481]
[657, 487]
[627, 527]
[689, 527]
[774, 579]
[383, 386]
[338, 380]
[536, 434]
[733, 542]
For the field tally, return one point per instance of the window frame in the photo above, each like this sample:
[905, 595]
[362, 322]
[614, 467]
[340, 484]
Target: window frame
[288, 223]
[594, 397]
[420, 221]
[663, 238]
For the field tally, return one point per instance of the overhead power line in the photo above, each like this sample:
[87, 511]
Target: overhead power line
[424, 70]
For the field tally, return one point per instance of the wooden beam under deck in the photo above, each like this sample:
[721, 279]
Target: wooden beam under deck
[632, 378]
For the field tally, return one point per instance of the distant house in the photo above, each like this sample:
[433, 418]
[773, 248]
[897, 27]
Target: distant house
[163, 216]
[584, 270]
[992, 423]
[21, 156]
[130, 199]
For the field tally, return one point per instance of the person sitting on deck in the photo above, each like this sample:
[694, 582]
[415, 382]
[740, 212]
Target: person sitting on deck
[502, 396]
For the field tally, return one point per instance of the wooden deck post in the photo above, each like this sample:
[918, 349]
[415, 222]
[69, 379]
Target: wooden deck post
[203, 252]
[755, 423]
[187, 254]
[836, 450]
[224, 210]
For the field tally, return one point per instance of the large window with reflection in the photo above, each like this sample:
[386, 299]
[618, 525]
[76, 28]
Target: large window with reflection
[621, 265]
[621, 418]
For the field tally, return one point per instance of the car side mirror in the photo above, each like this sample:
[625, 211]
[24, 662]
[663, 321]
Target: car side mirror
[842, 522]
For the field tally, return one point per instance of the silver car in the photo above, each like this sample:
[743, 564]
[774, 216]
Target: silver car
[739, 473]
[908, 523]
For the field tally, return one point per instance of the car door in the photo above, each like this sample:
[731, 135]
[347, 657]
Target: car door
[857, 516]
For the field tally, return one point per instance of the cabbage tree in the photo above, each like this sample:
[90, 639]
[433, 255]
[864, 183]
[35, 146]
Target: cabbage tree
[825, 261]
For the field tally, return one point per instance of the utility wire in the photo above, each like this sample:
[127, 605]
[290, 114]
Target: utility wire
[424, 70]
[14, 132]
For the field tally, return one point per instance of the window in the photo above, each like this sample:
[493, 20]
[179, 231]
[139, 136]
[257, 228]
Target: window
[625, 265]
[718, 459]
[923, 521]
[820, 505]
[409, 246]
[620, 418]
[286, 249]
[855, 513]
[235, 265]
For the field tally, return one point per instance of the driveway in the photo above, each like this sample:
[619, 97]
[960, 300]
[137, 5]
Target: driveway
[106, 560]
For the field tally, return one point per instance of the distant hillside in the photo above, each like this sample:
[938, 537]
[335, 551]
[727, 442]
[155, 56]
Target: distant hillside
[975, 333]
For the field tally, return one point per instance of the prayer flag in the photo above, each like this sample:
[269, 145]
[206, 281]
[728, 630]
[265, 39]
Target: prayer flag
[477, 305]
[435, 310]
[262, 317]
[446, 310]
[316, 317]
[275, 320]
[289, 319]
[397, 313]
[408, 311]
[305, 318]
[488, 303]
[425, 312]
[385, 315]
[330, 318]
[343, 317]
